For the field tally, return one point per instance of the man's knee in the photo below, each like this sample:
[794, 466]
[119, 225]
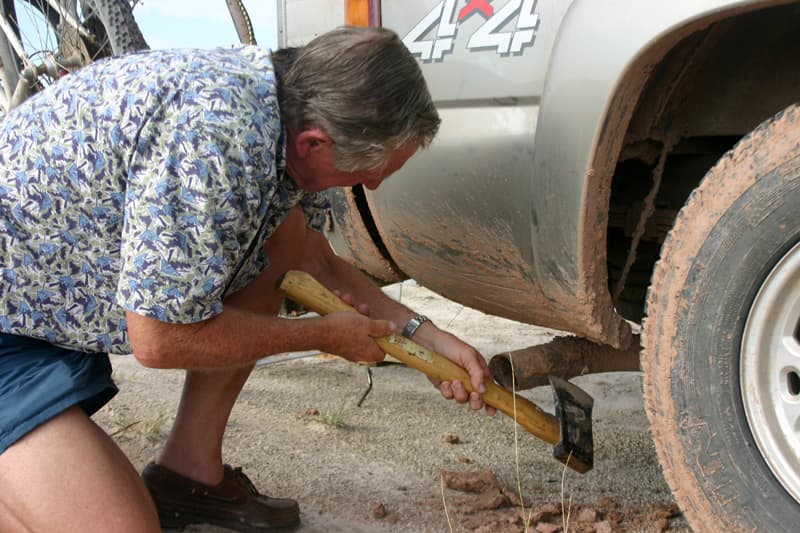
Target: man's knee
[71, 457]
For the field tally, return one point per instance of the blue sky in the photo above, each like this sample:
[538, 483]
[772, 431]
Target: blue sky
[202, 23]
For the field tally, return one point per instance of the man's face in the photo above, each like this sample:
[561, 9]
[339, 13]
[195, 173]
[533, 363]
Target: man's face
[374, 177]
[310, 162]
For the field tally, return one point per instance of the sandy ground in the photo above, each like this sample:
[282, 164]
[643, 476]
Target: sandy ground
[406, 460]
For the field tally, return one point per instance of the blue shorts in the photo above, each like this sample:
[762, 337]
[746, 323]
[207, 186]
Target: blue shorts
[39, 381]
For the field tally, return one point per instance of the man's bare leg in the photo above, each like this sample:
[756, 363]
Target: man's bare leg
[194, 446]
[69, 475]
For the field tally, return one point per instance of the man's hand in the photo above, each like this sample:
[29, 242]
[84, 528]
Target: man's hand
[464, 356]
[454, 349]
[352, 336]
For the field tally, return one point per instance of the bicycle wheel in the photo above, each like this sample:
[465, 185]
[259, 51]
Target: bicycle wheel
[241, 21]
[112, 23]
[41, 40]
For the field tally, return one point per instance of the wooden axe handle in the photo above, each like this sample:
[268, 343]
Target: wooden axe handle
[304, 289]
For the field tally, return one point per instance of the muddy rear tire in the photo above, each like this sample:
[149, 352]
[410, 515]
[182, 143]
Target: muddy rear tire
[739, 232]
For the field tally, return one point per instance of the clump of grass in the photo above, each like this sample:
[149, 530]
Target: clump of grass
[121, 422]
[336, 418]
[151, 428]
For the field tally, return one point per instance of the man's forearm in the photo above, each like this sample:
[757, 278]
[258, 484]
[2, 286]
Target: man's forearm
[233, 338]
[337, 274]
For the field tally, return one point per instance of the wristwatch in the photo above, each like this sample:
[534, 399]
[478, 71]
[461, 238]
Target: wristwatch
[413, 324]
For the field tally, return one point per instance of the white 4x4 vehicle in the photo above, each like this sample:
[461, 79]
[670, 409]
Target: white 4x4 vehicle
[607, 163]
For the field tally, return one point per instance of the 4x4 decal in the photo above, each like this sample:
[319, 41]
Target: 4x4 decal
[496, 32]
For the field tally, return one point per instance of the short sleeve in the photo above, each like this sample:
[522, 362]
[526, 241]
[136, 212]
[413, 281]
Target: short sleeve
[192, 210]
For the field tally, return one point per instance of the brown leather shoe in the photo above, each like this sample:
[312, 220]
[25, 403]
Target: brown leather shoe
[234, 503]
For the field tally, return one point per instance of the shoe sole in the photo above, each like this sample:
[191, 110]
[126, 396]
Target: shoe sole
[179, 520]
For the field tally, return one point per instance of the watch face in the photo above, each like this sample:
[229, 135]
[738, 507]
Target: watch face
[413, 324]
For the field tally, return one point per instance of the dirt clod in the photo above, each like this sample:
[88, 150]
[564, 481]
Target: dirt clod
[614, 518]
[603, 527]
[488, 505]
[607, 503]
[545, 513]
[587, 514]
[545, 527]
[470, 481]
[378, 510]
[493, 499]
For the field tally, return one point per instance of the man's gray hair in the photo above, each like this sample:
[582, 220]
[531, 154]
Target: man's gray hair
[363, 88]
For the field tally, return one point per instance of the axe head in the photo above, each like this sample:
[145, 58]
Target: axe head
[574, 413]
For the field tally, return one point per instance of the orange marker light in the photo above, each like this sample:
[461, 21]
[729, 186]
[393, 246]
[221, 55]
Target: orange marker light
[362, 13]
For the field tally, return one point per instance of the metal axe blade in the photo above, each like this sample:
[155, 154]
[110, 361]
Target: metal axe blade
[573, 408]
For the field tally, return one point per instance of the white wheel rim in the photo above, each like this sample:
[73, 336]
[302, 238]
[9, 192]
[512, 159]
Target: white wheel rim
[770, 371]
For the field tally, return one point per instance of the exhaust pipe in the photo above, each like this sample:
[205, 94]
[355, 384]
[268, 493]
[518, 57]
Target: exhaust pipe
[563, 357]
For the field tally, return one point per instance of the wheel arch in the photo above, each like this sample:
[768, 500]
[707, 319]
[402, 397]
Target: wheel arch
[603, 97]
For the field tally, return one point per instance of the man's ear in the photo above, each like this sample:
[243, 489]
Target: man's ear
[310, 140]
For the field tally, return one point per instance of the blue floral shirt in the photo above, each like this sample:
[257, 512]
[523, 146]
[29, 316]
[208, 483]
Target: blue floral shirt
[147, 182]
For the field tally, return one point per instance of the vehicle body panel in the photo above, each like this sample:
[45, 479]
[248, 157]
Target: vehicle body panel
[507, 210]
